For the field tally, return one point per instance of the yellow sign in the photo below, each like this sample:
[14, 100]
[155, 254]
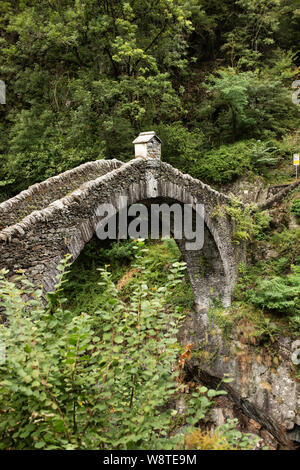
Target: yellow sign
[296, 159]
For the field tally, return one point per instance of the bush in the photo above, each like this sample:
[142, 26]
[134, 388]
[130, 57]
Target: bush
[225, 437]
[223, 164]
[295, 208]
[64, 386]
[181, 148]
[263, 154]
[279, 294]
[21, 170]
[249, 223]
[250, 104]
[88, 296]
[286, 244]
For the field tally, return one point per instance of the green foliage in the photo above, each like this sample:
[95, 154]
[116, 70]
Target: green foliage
[252, 38]
[223, 164]
[249, 223]
[289, 27]
[88, 296]
[250, 104]
[287, 245]
[25, 169]
[289, 145]
[295, 208]
[181, 148]
[84, 77]
[220, 317]
[225, 437]
[226, 163]
[267, 291]
[236, 439]
[266, 331]
[280, 294]
[264, 154]
[65, 387]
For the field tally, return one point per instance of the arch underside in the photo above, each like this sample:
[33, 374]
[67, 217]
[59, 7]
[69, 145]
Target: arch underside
[204, 266]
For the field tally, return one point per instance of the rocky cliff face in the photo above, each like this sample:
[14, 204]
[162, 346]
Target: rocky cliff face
[264, 394]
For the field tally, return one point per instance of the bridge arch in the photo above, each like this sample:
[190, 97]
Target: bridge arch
[209, 271]
[41, 239]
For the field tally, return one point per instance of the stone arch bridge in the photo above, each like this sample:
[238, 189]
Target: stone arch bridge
[59, 216]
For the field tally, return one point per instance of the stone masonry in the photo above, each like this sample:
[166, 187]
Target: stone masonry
[63, 223]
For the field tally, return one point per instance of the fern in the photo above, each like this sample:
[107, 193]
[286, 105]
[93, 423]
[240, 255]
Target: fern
[280, 294]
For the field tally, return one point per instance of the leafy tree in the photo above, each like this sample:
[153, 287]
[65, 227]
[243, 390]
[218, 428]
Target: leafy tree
[181, 148]
[288, 34]
[250, 104]
[86, 76]
[252, 38]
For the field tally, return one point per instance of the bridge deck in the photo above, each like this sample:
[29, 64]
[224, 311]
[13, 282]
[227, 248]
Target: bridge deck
[40, 195]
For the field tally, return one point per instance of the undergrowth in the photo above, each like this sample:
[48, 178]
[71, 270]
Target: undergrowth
[84, 293]
[103, 381]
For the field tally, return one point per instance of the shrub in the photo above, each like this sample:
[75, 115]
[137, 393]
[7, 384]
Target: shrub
[225, 437]
[295, 208]
[88, 296]
[24, 169]
[263, 154]
[280, 294]
[249, 223]
[286, 244]
[181, 148]
[63, 386]
[223, 164]
[250, 104]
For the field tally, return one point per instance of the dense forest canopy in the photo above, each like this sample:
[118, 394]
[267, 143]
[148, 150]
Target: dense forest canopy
[83, 77]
